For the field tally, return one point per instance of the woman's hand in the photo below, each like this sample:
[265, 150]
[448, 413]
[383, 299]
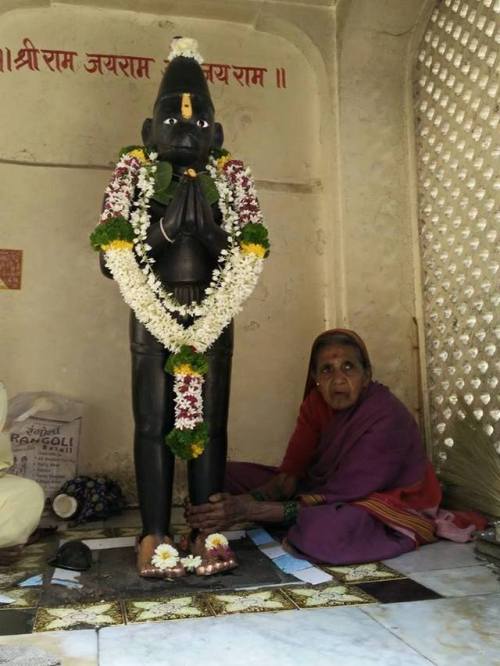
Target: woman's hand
[221, 512]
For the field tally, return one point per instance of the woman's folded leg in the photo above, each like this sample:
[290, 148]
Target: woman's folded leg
[345, 534]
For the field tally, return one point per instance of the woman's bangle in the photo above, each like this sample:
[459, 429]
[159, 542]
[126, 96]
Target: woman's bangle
[290, 512]
[258, 495]
[163, 232]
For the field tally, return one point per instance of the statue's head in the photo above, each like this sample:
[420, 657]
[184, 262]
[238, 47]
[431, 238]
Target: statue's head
[183, 128]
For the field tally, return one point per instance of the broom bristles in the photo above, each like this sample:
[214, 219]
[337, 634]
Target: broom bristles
[471, 472]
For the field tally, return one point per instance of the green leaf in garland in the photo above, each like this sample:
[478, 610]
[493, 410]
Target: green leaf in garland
[165, 196]
[209, 188]
[116, 228]
[188, 444]
[128, 149]
[254, 232]
[163, 179]
[217, 153]
[187, 356]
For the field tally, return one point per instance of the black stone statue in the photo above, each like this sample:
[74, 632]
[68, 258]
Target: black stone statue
[186, 239]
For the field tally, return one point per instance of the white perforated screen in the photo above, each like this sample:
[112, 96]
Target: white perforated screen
[457, 114]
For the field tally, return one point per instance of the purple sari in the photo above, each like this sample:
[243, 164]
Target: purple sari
[373, 447]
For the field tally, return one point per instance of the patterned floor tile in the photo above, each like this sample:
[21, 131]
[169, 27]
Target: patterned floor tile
[125, 531]
[173, 608]
[82, 616]
[249, 602]
[329, 594]
[32, 563]
[363, 573]
[101, 533]
[24, 598]
[38, 549]
[9, 577]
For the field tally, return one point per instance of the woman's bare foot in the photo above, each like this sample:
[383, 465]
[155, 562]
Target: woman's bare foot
[215, 553]
[150, 561]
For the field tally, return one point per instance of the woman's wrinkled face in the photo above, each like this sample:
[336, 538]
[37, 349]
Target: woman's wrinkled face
[340, 375]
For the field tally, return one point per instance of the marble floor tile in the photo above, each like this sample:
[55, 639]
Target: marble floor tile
[173, 608]
[462, 581]
[79, 616]
[249, 602]
[331, 594]
[323, 637]
[439, 555]
[75, 648]
[363, 573]
[448, 632]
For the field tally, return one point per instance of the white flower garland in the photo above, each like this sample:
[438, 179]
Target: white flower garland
[232, 282]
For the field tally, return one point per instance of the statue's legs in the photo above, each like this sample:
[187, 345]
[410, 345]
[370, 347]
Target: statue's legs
[152, 399]
[153, 407]
[206, 473]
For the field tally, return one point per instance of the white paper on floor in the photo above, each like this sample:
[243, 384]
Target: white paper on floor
[32, 581]
[297, 567]
[313, 575]
[66, 578]
[273, 550]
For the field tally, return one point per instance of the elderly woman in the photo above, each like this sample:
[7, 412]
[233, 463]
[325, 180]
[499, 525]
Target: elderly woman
[355, 484]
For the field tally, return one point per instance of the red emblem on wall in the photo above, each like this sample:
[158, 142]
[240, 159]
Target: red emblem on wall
[11, 262]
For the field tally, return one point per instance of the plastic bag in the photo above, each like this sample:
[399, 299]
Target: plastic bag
[45, 437]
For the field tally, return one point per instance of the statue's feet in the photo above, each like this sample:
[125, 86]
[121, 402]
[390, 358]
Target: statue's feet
[157, 557]
[211, 554]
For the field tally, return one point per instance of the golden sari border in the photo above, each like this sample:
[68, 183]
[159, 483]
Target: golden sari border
[423, 527]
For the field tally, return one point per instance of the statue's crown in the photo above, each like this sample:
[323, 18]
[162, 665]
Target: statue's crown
[184, 73]
[185, 47]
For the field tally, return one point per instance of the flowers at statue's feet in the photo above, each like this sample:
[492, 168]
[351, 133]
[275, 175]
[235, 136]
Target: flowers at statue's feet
[217, 556]
[191, 562]
[165, 557]
[216, 544]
